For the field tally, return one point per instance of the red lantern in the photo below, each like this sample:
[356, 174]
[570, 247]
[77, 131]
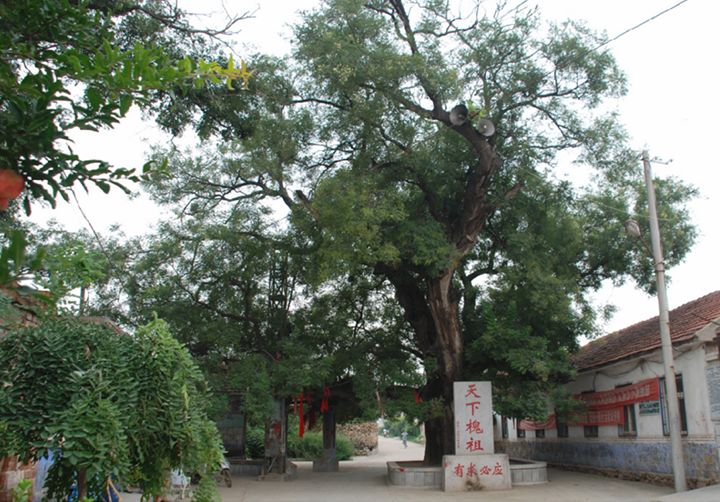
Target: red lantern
[11, 185]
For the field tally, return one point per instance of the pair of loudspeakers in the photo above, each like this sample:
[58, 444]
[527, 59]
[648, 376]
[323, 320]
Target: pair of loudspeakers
[459, 115]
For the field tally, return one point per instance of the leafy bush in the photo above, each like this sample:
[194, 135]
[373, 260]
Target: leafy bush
[254, 442]
[311, 446]
[108, 404]
[22, 492]
[206, 491]
[395, 427]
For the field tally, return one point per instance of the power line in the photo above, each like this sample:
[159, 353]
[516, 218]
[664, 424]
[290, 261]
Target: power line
[633, 28]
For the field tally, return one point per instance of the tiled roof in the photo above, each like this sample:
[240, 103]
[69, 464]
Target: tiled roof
[644, 336]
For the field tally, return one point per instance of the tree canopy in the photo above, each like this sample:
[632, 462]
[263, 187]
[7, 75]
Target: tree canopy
[491, 255]
[476, 256]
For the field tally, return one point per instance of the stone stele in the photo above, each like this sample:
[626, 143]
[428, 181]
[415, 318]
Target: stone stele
[473, 418]
[463, 473]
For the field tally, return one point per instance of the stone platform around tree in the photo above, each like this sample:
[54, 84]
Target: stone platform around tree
[462, 473]
[414, 474]
[528, 472]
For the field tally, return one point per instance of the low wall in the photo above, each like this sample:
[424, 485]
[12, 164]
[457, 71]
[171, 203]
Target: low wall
[526, 472]
[637, 460]
[242, 467]
[414, 475]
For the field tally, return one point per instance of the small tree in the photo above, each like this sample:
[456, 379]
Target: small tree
[108, 405]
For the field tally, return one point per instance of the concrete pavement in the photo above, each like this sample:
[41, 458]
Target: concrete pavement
[364, 479]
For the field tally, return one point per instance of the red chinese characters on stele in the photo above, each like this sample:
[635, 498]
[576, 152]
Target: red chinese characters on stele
[472, 470]
[473, 418]
[472, 399]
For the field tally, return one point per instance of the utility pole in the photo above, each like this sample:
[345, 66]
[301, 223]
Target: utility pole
[678, 462]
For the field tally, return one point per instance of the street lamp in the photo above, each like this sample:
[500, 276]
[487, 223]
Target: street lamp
[633, 229]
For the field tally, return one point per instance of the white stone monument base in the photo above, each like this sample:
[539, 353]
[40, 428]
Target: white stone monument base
[467, 473]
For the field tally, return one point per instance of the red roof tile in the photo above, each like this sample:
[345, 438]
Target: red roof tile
[644, 336]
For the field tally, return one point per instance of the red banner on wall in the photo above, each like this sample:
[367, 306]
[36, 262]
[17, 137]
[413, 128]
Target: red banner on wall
[608, 416]
[647, 390]
[529, 425]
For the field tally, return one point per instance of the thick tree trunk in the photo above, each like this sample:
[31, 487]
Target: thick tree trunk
[439, 432]
[443, 301]
[432, 309]
[329, 430]
[82, 484]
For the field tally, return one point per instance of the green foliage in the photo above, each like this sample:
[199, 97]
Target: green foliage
[15, 260]
[67, 66]
[310, 446]
[130, 407]
[254, 442]
[394, 204]
[402, 423]
[206, 491]
[22, 492]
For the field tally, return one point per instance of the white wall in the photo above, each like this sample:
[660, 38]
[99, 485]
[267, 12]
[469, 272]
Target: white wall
[689, 362]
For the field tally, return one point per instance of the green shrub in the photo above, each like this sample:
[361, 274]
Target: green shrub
[206, 491]
[254, 442]
[121, 406]
[311, 446]
[344, 448]
[397, 425]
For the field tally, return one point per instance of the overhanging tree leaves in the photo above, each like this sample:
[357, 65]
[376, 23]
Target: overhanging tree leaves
[70, 65]
[487, 250]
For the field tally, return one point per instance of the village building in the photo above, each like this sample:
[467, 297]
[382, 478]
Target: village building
[624, 430]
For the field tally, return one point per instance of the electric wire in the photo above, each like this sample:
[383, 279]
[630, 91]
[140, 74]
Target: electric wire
[642, 23]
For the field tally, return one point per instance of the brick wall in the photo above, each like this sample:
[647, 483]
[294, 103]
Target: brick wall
[636, 460]
[11, 473]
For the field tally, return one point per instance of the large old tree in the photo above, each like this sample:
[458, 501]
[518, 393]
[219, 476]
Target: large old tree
[490, 252]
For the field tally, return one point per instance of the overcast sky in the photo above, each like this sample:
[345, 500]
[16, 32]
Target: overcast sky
[671, 109]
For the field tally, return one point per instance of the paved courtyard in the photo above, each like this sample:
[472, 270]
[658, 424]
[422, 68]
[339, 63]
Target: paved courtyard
[364, 479]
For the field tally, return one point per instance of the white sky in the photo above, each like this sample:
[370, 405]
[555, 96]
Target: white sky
[671, 110]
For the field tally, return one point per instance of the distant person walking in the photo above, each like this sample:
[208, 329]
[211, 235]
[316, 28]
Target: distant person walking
[403, 436]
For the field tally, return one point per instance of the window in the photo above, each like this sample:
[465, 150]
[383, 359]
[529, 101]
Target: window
[562, 427]
[629, 425]
[504, 427]
[681, 404]
[540, 433]
[520, 432]
[590, 431]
